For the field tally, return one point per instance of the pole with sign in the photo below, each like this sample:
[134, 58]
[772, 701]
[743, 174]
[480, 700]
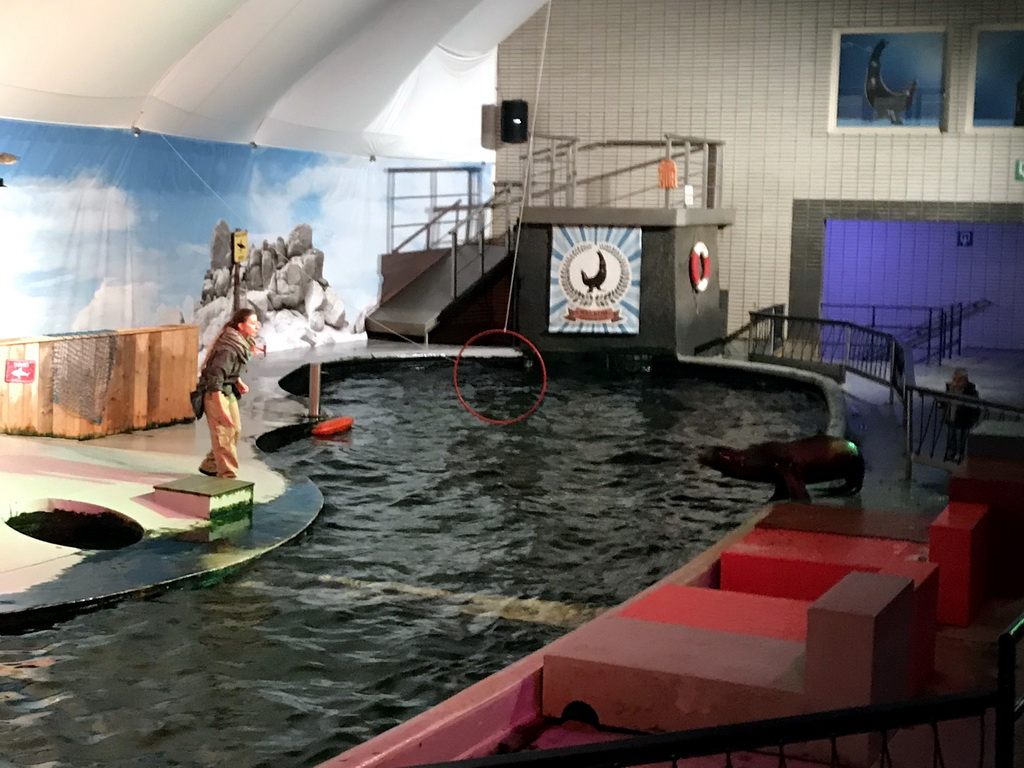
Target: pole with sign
[239, 252]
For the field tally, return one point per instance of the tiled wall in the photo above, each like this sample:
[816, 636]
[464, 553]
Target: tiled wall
[756, 74]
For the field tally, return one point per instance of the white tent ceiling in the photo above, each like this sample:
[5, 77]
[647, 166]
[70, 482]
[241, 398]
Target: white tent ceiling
[394, 78]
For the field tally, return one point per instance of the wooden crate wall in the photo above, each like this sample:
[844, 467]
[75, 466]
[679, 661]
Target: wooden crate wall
[154, 371]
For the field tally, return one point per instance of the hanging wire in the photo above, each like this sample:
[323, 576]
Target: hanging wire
[834, 756]
[529, 161]
[412, 341]
[728, 760]
[201, 179]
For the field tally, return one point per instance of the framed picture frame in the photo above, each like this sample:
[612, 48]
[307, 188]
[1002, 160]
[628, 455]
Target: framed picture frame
[888, 79]
[995, 93]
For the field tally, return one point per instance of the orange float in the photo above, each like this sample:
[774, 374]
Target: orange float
[333, 426]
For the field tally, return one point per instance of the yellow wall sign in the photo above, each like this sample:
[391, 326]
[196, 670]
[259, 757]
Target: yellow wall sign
[240, 245]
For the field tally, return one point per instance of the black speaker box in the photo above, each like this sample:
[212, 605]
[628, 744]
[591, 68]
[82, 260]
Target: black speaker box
[514, 127]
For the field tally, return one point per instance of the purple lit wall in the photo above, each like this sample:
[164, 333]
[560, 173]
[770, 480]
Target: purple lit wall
[892, 263]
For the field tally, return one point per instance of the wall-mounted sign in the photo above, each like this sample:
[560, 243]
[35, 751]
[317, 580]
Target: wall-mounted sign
[964, 238]
[595, 280]
[1018, 170]
[20, 371]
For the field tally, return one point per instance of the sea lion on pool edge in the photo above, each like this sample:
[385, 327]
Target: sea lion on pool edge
[792, 466]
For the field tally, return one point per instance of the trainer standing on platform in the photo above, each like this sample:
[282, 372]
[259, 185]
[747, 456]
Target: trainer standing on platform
[225, 362]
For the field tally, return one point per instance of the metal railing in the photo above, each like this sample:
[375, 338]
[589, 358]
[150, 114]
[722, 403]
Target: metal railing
[831, 346]
[935, 333]
[429, 190]
[618, 172]
[836, 347]
[936, 428]
[775, 735]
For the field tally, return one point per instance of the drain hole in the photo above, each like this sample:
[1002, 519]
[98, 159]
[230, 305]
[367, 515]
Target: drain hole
[83, 530]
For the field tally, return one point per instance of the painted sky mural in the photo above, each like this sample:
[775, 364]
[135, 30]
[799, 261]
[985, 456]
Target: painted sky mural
[102, 229]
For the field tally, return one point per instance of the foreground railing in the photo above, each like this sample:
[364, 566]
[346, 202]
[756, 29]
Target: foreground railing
[775, 735]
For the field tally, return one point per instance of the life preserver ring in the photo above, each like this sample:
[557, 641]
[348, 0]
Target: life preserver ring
[333, 426]
[700, 267]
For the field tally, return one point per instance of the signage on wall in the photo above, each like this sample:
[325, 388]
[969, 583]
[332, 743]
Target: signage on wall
[594, 284]
[1018, 170]
[20, 372]
[964, 238]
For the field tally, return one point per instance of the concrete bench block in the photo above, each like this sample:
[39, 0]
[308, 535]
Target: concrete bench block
[996, 440]
[227, 504]
[859, 652]
[859, 642]
[657, 677]
[804, 565]
[959, 539]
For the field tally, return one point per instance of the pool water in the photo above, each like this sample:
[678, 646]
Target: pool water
[447, 549]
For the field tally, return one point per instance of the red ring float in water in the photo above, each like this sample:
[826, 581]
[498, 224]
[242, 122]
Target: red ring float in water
[543, 372]
[700, 267]
[333, 426]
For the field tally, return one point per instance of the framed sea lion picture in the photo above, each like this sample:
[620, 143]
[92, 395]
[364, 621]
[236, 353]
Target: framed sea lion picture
[888, 79]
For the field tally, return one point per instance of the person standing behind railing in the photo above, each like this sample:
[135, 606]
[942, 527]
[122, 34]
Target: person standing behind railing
[960, 418]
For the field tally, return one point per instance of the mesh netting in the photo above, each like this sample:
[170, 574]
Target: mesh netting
[82, 366]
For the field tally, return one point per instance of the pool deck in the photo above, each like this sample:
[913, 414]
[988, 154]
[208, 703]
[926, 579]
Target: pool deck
[119, 472]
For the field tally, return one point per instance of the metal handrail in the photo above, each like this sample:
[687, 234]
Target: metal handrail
[926, 422]
[426, 227]
[568, 148]
[880, 357]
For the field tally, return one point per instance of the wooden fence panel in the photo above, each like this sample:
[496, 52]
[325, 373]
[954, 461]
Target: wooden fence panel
[153, 371]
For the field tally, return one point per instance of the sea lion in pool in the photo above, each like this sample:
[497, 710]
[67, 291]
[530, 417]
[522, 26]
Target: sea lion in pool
[792, 466]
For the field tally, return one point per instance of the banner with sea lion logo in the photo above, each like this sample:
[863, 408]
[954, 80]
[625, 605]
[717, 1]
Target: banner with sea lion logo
[595, 280]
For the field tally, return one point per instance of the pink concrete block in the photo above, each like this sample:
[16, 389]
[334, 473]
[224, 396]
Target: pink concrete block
[656, 677]
[926, 577]
[859, 642]
[958, 542]
[858, 652]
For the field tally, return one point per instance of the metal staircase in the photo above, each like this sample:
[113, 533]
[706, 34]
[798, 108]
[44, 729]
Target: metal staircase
[419, 308]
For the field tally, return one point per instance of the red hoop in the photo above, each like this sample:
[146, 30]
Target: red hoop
[543, 371]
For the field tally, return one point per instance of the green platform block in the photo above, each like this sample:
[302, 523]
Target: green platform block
[227, 504]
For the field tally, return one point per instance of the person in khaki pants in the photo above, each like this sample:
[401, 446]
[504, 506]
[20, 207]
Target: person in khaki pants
[221, 384]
